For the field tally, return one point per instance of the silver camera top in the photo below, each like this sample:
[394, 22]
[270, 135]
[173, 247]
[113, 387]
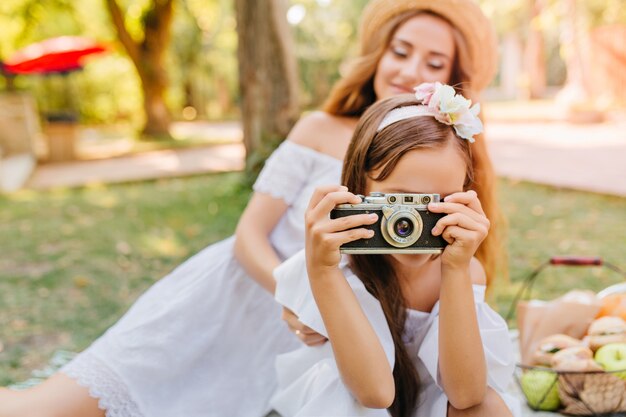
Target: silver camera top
[417, 201]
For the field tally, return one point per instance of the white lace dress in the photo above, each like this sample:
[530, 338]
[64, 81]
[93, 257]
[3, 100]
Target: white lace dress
[202, 341]
[310, 383]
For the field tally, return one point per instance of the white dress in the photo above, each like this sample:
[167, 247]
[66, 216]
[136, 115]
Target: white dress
[308, 378]
[202, 341]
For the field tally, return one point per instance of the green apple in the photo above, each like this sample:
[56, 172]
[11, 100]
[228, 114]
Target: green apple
[540, 389]
[612, 357]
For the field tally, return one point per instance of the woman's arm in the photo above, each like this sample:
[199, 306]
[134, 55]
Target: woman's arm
[263, 212]
[358, 352]
[252, 246]
[253, 249]
[462, 361]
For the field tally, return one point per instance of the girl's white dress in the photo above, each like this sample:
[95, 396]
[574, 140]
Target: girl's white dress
[308, 378]
[203, 340]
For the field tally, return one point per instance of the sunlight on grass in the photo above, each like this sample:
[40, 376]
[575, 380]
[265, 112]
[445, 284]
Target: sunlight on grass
[23, 196]
[104, 199]
[164, 245]
[74, 260]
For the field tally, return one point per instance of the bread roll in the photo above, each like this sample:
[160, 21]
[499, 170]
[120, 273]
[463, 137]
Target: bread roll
[576, 358]
[605, 330]
[548, 346]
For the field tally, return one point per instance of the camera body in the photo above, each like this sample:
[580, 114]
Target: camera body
[404, 224]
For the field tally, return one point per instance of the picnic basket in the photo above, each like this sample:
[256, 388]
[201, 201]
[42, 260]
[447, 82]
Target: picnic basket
[582, 393]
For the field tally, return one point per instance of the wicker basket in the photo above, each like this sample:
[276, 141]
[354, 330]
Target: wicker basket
[592, 393]
[595, 393]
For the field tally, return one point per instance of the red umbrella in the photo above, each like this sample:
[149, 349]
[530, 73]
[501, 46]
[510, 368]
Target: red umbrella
[61, 54]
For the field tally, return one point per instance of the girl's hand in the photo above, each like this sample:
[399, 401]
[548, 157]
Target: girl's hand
[323, 235]
[464, 227]
[308, 336]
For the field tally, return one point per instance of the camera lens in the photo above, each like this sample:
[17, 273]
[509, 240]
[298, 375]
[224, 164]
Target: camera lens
[403, 227]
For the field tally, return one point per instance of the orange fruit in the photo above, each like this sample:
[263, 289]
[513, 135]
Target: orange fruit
[613, 305]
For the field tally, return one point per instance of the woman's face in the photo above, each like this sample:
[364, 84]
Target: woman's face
[429, 171]
[421, 50]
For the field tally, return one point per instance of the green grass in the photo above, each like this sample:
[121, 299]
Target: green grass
[72, 261]
[544, 222]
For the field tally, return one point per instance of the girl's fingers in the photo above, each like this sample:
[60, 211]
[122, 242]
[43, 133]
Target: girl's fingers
[335, 240]
[468, 198]
[458, 219]
[453, 233]
[320, 193]
[450, 208]
[318, 217]
[332, 199]
[350, 222]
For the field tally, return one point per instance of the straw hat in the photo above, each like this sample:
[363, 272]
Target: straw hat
[465, 15]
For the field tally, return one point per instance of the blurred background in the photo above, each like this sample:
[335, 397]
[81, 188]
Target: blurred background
[572, 51]
[116, 115]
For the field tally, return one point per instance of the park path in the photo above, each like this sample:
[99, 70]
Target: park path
[584, 157]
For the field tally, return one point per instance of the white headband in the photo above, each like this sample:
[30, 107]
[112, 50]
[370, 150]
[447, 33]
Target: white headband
[402, 113]
[441, 102]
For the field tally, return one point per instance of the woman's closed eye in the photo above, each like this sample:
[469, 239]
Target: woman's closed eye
[400, 52]
[436, 64]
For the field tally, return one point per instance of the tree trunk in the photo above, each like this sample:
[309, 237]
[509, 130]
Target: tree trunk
[267, 77]
[574, 44]
[147, 56]
[535, 59]
[511, 66]
[158, 117]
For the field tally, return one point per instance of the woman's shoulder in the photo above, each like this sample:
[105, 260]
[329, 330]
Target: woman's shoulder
[314, 129]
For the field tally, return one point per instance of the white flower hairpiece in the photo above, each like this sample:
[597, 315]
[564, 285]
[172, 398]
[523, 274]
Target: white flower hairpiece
[441, 102]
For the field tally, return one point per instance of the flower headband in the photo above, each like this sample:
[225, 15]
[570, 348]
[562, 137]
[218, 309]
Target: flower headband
[441, 102]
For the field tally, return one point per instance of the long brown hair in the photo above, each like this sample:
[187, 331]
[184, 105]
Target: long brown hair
[370, 151]
[354, 93]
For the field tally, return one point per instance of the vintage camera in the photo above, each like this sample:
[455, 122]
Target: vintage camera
[403, 226]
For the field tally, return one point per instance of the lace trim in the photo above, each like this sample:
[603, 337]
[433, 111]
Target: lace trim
[103, 384]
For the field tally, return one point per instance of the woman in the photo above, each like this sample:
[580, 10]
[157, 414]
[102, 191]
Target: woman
[202, 341]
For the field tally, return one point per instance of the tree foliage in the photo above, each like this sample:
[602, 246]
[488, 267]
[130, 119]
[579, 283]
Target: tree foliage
[201, 60]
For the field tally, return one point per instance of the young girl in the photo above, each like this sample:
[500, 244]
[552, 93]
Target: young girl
[407, 332]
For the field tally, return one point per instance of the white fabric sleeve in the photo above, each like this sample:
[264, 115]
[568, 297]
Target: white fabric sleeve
[286, 171]
[309, 385]
[498, 347]
[294, 292]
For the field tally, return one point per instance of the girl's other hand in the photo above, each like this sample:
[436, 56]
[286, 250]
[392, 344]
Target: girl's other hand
[464, 227]
[323, 235]
[307, 335]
